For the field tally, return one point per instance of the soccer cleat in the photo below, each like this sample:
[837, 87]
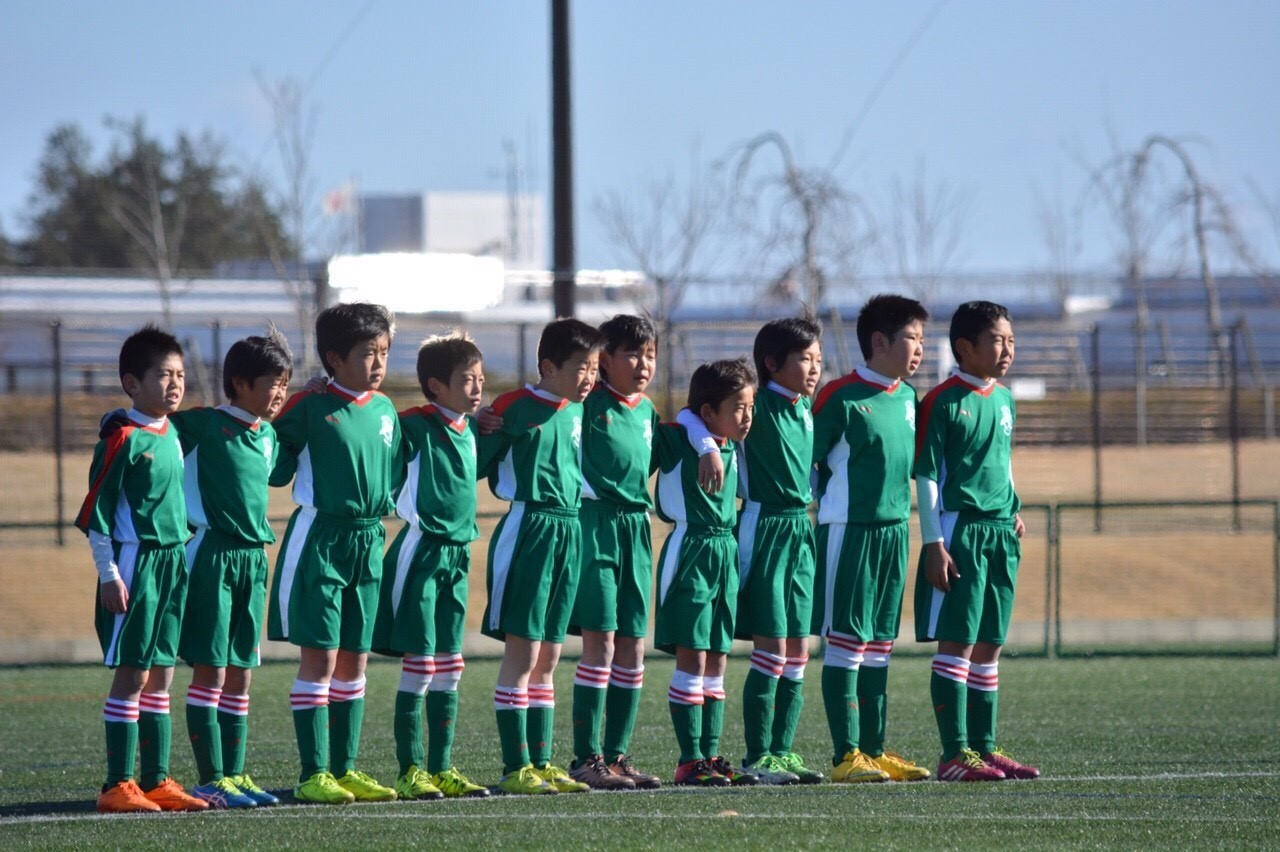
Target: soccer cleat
[364, 788]
[455, 785]
[857, 768]
[794, 764]
[899, 768]
[322, 789]
[561, 780]
[525, 781]
[170, 796]
[125, 798]
[643, 780]
[222, 793]
[698, 773]
[249, 787]
[769, 770]
[416, 784]
[736, 776]
[967, 766]
[1011, 768]
[593, 772]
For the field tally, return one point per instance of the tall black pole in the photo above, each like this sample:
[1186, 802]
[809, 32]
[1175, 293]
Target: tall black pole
[563, 263]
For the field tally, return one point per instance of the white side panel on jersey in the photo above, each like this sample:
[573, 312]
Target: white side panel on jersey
[191, 488]
[747, 523]
[672, 562]
[503, 551]
[193, 546]
[834, 506]
[670, 494]
[304, 481]
[122, 528]
[935, 602]
[407, 501]
[506, 487]
[127, 562]
[403, 560]
[835, 543]
[289, 568]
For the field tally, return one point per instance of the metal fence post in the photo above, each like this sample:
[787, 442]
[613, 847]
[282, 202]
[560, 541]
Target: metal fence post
[1096, 406]
[522, 354]
[1140, 380]
[1234, 427]
[59, 497]
[215, 357]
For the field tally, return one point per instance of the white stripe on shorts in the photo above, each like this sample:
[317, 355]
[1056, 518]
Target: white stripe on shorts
[935, 602]
[407, 548]
[835, 543]
[127, 563]
[747, 523]
[289, 568]
[503, 552]
[672, 562]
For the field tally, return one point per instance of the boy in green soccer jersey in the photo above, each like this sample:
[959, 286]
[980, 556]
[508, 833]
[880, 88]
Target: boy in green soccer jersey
[698, 569]
[864, 445]
[776, 545]
[534, 462]
[423, 604]
[136, 522]
[971, 529]
[612, 607]
[230, 453]
[324, 595]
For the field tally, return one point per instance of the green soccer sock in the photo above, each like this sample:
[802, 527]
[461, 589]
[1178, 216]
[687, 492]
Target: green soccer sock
[687, 721]
[408, 730]
[510, 709]
[155, 733]
[873, 685]
[712, 715]
[983, 701]
[588, 710]
[840, 699]
[758, 697]
[786, 716]
[949, 704]
[122, 748]
[234, 728]
[346, 720]
[206, 740]
[310, 703]
[540, 728]
[442, 711]
[621, 706]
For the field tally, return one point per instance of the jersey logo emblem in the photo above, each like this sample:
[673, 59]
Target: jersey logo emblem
[648, 434]
[964, 412]
[388, 431]
[576, 434]
[266, 449]
[911, 415]
[865, 409]
[807, 418]
[1006, 420]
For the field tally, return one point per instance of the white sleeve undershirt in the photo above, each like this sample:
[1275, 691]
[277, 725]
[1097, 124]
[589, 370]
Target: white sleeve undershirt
[103, 557]
[930, 510]
[700, 436]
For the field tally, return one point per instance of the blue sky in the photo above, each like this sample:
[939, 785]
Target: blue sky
[998, 99]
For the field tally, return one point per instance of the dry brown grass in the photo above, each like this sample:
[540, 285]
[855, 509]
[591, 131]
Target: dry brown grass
[1125, 573]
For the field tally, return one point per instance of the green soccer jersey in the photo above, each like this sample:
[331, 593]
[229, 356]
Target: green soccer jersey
[679, 497]
[777, 456]
[438, 495]
[964, 442]
[345, 446]
[135, 483]
[537, 455]
[864, 446]
[617, 444]
[230, 454]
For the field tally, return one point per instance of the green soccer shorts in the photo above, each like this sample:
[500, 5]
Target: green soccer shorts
[534, 560]
[325, 591]
[617, 571]
[862, 574]
[980, 603]
[422, 609]
[146, 634]
[697, 590]
[226, 599]
[776, 556]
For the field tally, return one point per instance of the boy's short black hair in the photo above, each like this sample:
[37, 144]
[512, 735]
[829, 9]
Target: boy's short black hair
[779, 338]
[145, 348]
[887, 314]
[255, 357]
[627, 332]
[973, 318]
[439, 356]
[563, 337]
[339, 328]
[714, 382]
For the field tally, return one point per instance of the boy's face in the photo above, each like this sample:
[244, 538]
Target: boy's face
[158, 392]
[464, 391]
[364, 367]
[900, 357]
[630, 370]
[573, 379]
[263, 397]
[991, 355]
[732, 417]
[801, 371]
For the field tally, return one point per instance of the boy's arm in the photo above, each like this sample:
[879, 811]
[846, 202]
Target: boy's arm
[489, 449]
[291, 437]
[710, 465]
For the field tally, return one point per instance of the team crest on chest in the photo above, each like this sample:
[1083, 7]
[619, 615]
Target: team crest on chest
[807, 418]
[911, 415]
[576, 434]
[266, 449]
[648, 434]
[1006, 420]
[388, 430]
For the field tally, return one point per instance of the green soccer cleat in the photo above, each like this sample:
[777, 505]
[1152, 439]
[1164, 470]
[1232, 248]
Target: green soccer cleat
[364, 788]
[455, 785]
[322, 789]
[794, 764]
[558, 778]
[248, 787]
[771, 771]
[525, 781]
[416, 784]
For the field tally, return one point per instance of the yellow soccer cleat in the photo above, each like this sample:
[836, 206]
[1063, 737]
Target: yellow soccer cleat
[560, 780]
[899, 768]
[322, 789]
[525, 781]
[455, 785]
[857, 768]
[364, 788]
[416, 784]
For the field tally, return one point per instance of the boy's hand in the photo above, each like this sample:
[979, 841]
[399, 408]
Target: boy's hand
[710, 473]
[115, 596]
[488, 422]
[1018, 526]
[316, 384]
[939, 568]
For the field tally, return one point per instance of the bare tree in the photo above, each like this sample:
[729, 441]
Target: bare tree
[923, 232]
[1060, 233]
[668, 233]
